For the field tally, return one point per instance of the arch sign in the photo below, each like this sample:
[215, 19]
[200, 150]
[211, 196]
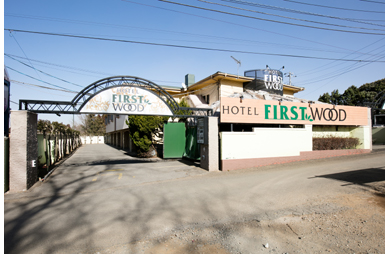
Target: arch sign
[127, 95]
[126, 100]
[234, 110]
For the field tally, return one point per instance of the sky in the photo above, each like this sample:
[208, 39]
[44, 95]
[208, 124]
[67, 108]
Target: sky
[325, 45]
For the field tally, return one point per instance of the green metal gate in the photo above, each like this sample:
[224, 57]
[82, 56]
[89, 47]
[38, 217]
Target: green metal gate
[174, 140]
[192, 149]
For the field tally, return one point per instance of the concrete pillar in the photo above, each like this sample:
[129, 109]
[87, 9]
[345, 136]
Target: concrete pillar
[23, 150]
[363, 133]
[209, 152]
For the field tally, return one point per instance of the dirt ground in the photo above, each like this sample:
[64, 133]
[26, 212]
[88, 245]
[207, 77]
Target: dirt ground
[347, 223]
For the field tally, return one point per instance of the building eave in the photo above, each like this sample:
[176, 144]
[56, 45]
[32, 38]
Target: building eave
[295, 89]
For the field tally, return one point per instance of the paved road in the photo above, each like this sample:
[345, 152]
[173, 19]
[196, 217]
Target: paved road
[101, 198]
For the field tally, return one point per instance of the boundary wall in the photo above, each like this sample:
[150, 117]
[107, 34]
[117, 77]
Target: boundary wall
[53, 148]
[266, 146]
[303, 156]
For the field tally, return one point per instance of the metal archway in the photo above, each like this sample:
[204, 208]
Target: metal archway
[74, 107]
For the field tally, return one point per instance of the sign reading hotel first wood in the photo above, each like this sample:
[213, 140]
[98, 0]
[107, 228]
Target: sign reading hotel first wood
[236, 110]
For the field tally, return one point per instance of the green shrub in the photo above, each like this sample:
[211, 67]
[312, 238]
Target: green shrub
[334, 143]
[141, 129]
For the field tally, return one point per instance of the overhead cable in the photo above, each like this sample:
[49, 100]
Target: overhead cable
[237, 24]
[241, 40]
[377, 56]
[63, 66]
[45, 87]
[37, 79]
[310, 71]
[348, 69]
[336, 76]
[183, 46]
[376, 2]
[269, 20]
[292, 10]
[24, 53]
[63, 80]
[332, 7]
[286, 17]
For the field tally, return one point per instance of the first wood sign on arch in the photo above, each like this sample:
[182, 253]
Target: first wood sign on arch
[127, 95]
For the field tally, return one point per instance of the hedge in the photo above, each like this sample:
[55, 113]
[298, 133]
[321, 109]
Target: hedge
[334, 143]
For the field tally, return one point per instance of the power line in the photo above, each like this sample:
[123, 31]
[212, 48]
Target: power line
[63, 80]
[305, 20]
[291, 10]
[347, 69]
[332, 7]
[183, 46]
[372, 1]
[83, 70]
[236, 24]
[326, 76]
[64, 66]
[336, 76]
[345, 56]
[24, 53]
[184, 33]
[45, 87]
[270, 20]
[37, 79]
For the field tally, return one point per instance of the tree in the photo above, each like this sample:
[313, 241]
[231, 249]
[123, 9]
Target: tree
[92, 125]
[353, 96]
[44, 127]
[141, 130]
[334, 98]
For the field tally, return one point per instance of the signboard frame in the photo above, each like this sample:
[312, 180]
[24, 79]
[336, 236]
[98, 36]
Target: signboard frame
[234, 110]
[126, 100]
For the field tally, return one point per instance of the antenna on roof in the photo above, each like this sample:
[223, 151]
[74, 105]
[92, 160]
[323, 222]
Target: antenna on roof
[238, 64]
[289, 75]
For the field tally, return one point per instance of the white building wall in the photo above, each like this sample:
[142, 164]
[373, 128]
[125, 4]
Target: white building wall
[266, 142]
[229, 87]
[86, 140]
[118, 123]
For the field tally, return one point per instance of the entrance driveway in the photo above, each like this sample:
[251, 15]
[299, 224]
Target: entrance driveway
[100, 166]
[103, 201]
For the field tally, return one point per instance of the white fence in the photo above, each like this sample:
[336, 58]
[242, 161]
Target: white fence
[87, 140]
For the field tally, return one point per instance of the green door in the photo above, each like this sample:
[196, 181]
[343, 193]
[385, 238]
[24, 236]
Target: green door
[174, 140]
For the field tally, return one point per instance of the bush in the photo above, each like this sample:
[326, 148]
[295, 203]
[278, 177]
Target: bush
[141, 129]
[334, 143]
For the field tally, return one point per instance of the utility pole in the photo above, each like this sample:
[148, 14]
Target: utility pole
[289, 75]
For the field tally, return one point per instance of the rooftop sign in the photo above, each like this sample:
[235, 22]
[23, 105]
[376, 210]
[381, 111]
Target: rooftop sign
[236, 110]
[126, 100]
[265, 80]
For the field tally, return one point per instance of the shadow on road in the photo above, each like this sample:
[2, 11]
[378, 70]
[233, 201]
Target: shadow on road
[361, 176]
[70, 216]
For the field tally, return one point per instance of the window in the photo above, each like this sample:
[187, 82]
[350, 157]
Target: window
[206, 98]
